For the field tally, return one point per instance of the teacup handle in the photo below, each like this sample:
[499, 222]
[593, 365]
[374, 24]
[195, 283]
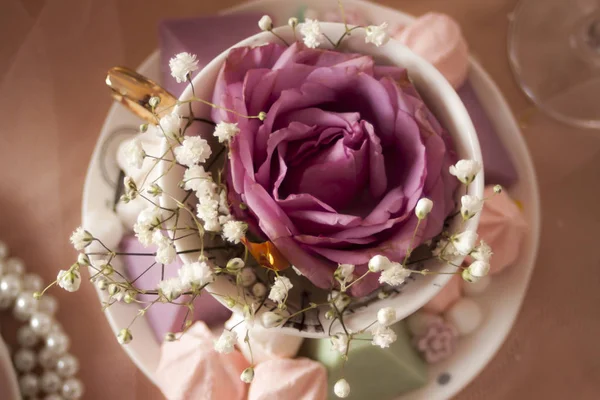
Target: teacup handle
[134, 92]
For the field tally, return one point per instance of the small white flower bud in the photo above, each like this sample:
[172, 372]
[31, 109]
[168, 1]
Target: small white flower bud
[129, 297]
[124, 336]
[235, 264]
[143, 128]
[497, 189]
[247, 375]
[262, 116]
[342, 388]
[293, 22]
[467, 277]
[479, 269]
[379, 263]
[464, 242]
[271, 319]
[423, 208]
[154, 101]
[470, 205]
[465, 170]
[170, 337]
[386, 316]
[265, 23]
[344, 271]
[83, 259]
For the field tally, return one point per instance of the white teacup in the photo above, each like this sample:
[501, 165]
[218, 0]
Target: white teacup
[439, 96]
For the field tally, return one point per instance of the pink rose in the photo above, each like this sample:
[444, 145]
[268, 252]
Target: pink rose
[334, 172]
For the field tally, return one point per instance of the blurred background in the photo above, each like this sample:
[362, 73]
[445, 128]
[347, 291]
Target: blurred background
[53, 59]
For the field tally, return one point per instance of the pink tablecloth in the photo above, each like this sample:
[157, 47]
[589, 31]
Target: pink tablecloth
[53, 57]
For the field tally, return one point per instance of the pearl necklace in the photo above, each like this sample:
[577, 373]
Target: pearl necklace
[43, 365]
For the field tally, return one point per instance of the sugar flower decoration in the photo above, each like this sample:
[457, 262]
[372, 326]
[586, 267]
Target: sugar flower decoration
[377, 34]
[134, 153]
[81, 238]
[470, 205]
[69, 280]
[383, 336]
[225, 131]
[226, 342]
[438, 342]
[182, 65]
[311, 30]
[193, 150]
[395, 275]
[280, 289]
[465, 170]
[234, 231]
[170, 126]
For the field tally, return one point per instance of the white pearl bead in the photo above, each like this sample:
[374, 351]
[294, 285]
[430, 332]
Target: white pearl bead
[53, 396]
[25, 306]
[48, 304]
[47, 358]
[259, 290]
[67, 366]
[41, 323]
[58, 342]
[10, 286]
[24, 360]
[50, 382]
[26, 337]
[3, 250]
[29, 385]
[465, 315]
[15, 265]
[33, 282]
[72, 389]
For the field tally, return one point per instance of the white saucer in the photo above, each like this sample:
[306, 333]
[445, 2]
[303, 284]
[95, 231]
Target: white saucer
[474, 351]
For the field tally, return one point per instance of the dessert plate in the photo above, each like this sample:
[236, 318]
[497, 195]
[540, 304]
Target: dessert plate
[475, 350]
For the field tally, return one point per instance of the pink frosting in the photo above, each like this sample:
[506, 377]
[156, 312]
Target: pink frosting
[503, 227]
[438, 39]
[445, 297]
[191, 369]
[298, 379]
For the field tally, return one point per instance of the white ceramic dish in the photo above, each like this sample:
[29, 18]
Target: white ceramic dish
[474, 351]
[9, 387]
[440, 97]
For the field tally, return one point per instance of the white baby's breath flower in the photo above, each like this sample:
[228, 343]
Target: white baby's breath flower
[470, 205]
[247, 375]
[340, 300]
[171, 288]
[271, 319]
[386, 316]
[151, 216]
[377, 34]
[394, 275]
[124, 336]
[181, 65]
[344, 272]
[339, 343]
[483, 252]
[479, 269]
[311, 30]
[166, 253]
[81, 238]
[223, 203]
[465, 170]
[195, 178]
[193, 150]
[280, 289]
[170, 126]
[208, 209]
[383, 336]
[195, 275]
[341, 388]
[226, 342]
[224, 131]
[265, 23]
[423, 208]
[134, 153]
[69, 280]
[379, 263]
[143, 234]
[234, 231]
[464, 242]
[293, 22]
[212, 225]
